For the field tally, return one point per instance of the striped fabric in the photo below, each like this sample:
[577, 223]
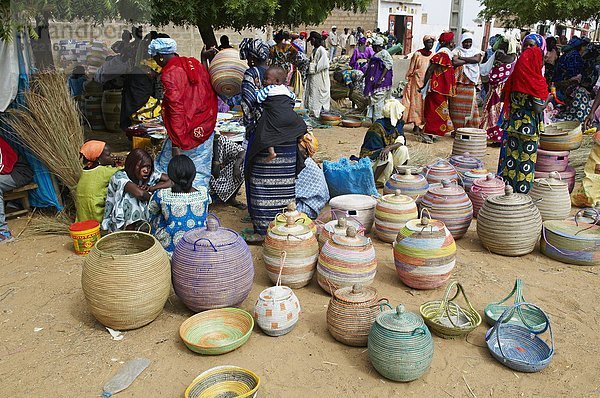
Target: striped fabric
[272, 90]
[463, 107]
[272, 185]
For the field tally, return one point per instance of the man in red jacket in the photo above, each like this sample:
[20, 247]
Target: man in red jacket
[14, 173]
[189, 109]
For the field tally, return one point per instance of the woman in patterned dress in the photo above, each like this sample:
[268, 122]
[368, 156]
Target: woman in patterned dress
[463, 106]
[525, 98]
[227, 171]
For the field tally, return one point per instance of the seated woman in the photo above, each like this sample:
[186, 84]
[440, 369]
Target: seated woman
[129, 191]
[181, 208]
[227, 170]
[312, 194]
[99, 167]
[384, 142]
[353, 81]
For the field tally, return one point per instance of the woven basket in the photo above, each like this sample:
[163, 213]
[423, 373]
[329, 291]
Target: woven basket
[505, 216]
[409, 184]
[518, 347]
[526, 317]
[126, 280]
[551, 196]
[470, 176]
[299, 218]
[277, 309]
[212, 267]
[227, 72]
[345, 261]
[561, 136]
[463, 163]
[450, 205]
[552, 160]
[567, 176]
[338, 227]
[483, 188]
[571, 241]
[360, 207]
[216, 332]
[400, 345]
[470, 140]
[351, 313]
[391, 214]
[424, 253]
[224, 381]
[440, 170]
[302, 251]
[447, 319]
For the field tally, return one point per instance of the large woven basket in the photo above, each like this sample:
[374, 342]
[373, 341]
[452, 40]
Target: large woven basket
[391, 214]
[227, 72]
[561, 136]
[216, 332]
[413, 185]
[551, 196]
[463, 163]
[440, 170]
[446, 318]
[224, 381]
[518, 347]
[450, 205]
[470, 140]
[571, 241]
[126, 280]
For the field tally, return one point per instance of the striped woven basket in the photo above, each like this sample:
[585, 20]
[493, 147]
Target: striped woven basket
[571, 241]
[299, 217]
[224, 381]
[451, 205]
[446, 318]
[561, 136]
[126, 279]
[338, 227]
[227, 72]
[391, 214]
[551, 196]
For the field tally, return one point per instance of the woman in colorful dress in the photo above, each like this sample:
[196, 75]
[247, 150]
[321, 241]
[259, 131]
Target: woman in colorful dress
[412, 98]
[464, 111]
[189, 109]
[497, 69]
[227, 171]
[256, 53]
[361, 55]
[439, 85]
[180, 208]
[378, 79]
[283, 54]
[312, 193]
[525, 96]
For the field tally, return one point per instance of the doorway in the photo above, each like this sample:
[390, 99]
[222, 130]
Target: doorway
[401, 26]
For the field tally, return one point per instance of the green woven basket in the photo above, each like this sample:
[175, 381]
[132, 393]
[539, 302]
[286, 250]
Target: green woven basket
[446, 318]
[217, 332]
[523, 316]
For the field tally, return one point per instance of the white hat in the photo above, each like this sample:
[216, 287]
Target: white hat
[334, 27]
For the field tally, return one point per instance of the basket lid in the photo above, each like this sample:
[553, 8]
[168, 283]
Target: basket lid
[425, 225]
[290, 210]
[447, 188]
[465, 159]
[399, 320]
[476, 173]
[510, 198]
[553, 180]
[397, 198]
[276, 293]
[351, 239]
[340, 225]
[441, 164]
[356, 294]
[489, 181]
[408, 177]
[211, 235]
[353, 202]
[569, 229]
[290, 228]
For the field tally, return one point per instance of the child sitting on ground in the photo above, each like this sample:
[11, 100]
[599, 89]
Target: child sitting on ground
[99, 167]
[275, 85]
[129, 191]
[181, 208]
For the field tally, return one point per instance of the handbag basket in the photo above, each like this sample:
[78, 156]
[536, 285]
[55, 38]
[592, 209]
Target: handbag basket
[527, 317]
[126, 279]
[519, 347]
[448, 319]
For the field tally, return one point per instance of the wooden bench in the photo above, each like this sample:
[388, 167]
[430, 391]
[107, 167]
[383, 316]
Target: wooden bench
[22, 194]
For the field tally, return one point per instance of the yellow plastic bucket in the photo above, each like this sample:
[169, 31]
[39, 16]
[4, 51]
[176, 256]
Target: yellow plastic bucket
[85, 234]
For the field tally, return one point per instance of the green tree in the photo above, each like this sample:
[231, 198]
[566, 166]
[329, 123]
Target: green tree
[209, 15]
[518, 13]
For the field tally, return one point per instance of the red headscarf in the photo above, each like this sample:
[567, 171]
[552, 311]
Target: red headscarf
[446, 37]
[527, 77]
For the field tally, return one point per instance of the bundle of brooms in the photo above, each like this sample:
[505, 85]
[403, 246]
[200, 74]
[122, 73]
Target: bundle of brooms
[49, 126]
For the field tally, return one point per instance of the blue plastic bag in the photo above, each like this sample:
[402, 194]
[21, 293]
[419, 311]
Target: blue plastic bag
[346, 177]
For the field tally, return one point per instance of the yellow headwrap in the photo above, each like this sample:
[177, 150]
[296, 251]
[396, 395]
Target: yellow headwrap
[310, 143]
[393, 109]
[151, 63]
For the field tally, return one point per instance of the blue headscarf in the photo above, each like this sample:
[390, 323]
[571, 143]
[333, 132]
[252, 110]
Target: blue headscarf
[162, 46]
[537, 39]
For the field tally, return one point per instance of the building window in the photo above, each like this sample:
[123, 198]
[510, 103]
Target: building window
[424, 18]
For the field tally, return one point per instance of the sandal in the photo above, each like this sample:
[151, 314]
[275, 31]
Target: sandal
[251, 237]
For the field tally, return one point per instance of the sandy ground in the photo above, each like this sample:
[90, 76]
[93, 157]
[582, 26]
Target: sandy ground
[73, 355]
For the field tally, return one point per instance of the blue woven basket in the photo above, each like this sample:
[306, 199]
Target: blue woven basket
[519, 347]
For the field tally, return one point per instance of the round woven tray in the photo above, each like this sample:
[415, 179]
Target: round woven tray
[224, 381]
[216, 332]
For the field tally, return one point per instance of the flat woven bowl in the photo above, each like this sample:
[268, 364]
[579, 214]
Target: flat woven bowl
[224, 381]
[351, 122]
[217, 332]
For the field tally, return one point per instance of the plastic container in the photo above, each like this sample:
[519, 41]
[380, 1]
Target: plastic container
[85, 234]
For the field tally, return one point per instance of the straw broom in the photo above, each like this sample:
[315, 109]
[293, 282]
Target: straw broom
[49, 126]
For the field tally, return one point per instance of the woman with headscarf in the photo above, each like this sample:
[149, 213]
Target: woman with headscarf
[361, 55]
[525, 96]
[464, 111]
[412, 98]
[312, 193]
[189, 109]
[256, 54]
[378, 79]
[497, 69]
[139, 100]
[317, 93]
[439, 86]
[282, 53]
[384, 142]
[129, 191]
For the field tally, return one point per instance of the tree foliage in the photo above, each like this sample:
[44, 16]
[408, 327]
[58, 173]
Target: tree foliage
[518, 13]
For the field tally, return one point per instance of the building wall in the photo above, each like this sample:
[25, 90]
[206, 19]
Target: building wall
[347, 19]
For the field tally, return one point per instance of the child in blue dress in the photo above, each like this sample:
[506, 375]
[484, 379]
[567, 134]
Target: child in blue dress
[181, 208]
